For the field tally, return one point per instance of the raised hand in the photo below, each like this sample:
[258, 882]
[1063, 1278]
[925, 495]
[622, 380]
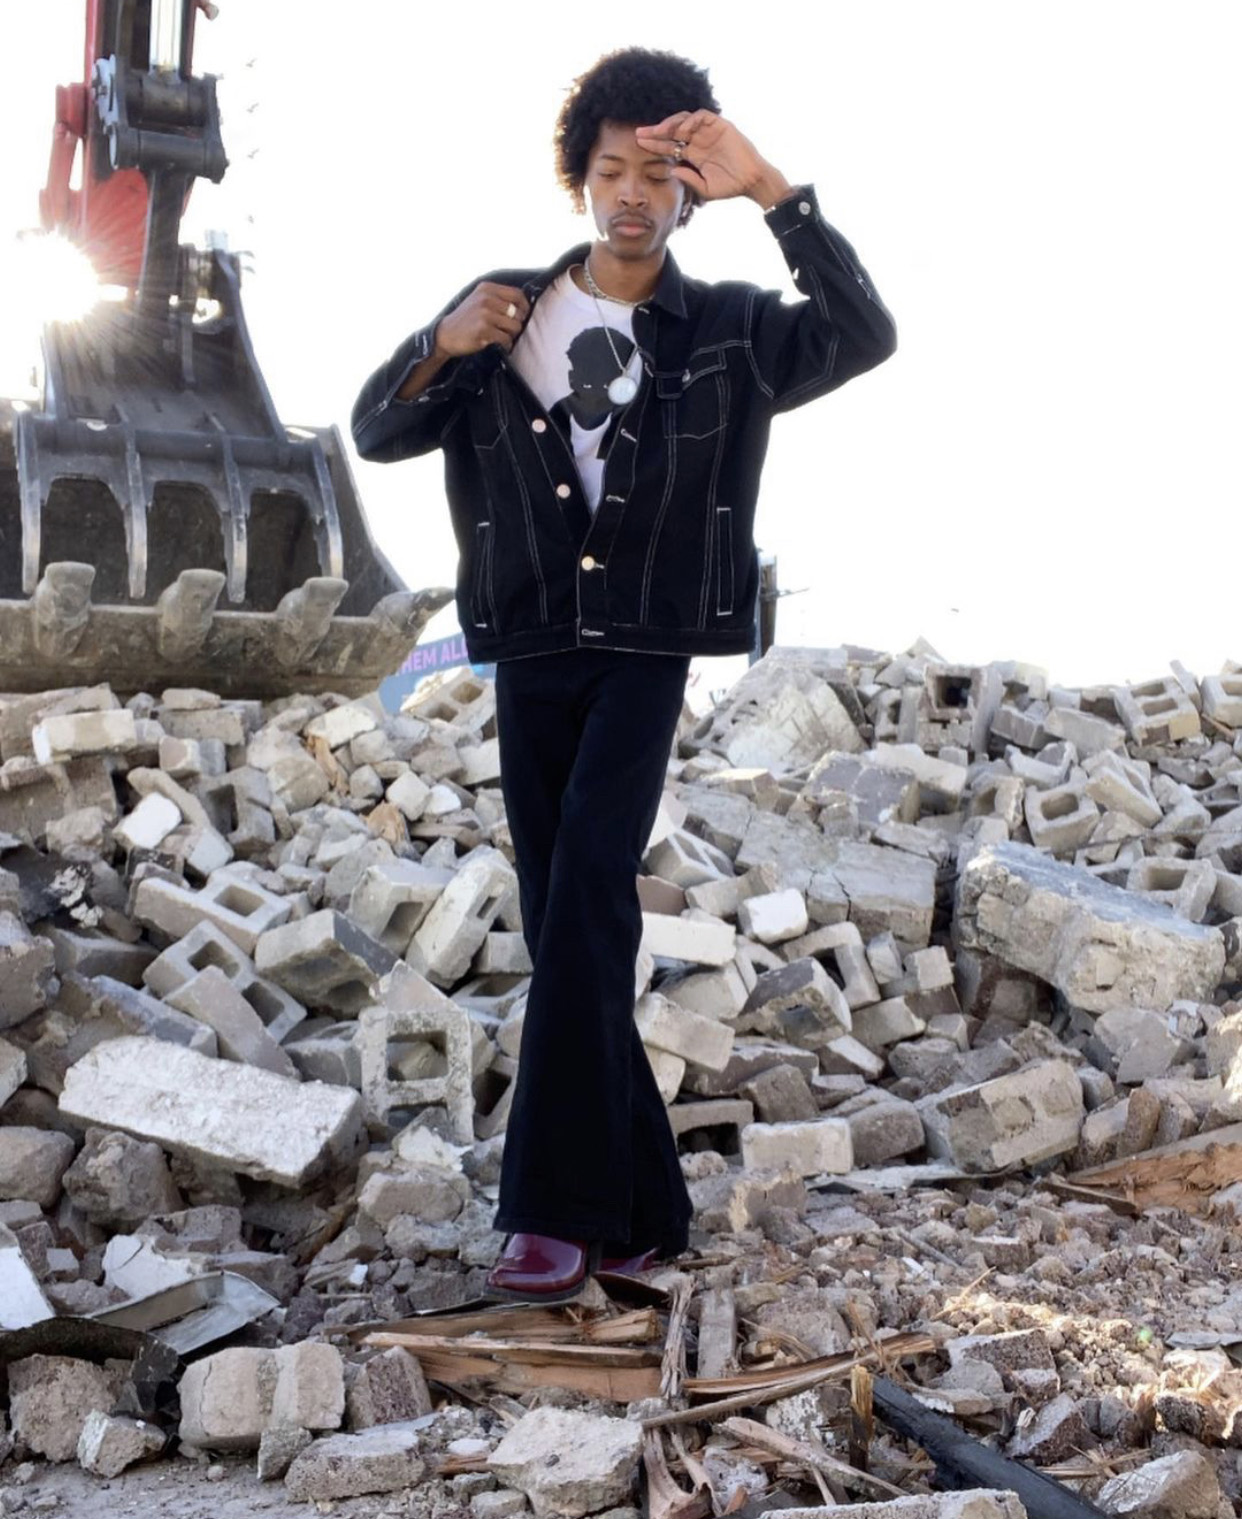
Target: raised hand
[491, 313]
[712, 158]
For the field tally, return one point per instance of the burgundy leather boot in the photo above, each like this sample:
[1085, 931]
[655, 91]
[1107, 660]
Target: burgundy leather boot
[537, 1268]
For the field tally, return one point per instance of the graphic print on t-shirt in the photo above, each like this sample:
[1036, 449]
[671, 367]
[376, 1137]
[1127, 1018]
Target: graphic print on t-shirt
[565, 356]
[593, 367]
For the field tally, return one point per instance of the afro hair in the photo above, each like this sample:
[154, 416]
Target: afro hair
[633, 85]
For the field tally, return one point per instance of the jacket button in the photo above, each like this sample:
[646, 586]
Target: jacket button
[804, 206]
[563, 491]
[587, 562]
[538, 425]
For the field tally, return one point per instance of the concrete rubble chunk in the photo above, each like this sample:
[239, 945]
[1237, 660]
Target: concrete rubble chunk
[73, 734]
[797, 1002]
[21, 1298]
[108, 1445]
[230, 1398]
[12, 1070]
[32, 1163]
[410, 1008]
[225, 1115]
[389, 1389]
[50, 1398]
[595, 1465]
[1181, 1486]
[119, 1182]
[1015, 1120]
[1099, 945]
[26, 966]
[380, 1460]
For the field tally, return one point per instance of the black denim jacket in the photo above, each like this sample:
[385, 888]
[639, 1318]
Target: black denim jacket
[667, 564]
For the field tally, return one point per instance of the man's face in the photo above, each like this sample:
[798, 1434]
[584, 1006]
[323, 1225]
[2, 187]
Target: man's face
[634, 197]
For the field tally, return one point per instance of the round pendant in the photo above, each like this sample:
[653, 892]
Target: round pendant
[622, 390]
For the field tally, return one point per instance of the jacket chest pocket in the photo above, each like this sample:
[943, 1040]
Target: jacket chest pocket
[694, 402]
[488, 418]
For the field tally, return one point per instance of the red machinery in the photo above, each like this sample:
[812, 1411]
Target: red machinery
[157, 476]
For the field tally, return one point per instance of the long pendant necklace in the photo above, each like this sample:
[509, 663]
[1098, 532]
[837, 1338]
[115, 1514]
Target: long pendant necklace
[624, 388]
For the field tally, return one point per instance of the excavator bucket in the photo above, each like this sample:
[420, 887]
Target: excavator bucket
[159, 525]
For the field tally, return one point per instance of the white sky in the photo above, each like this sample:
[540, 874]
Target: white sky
[1045, 194]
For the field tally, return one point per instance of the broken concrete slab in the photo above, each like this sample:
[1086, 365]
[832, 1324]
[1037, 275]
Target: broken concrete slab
[1099, 945]
[384, 1459]
[224, 1115]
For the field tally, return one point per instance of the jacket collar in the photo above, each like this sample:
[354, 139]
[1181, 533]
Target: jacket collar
[668, 293]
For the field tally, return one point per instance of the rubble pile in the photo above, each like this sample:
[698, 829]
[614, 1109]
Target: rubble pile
[938, 980]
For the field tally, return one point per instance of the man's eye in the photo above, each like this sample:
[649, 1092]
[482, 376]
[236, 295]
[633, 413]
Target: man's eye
[605, 174]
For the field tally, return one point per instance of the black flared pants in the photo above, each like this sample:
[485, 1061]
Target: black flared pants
[585, 737]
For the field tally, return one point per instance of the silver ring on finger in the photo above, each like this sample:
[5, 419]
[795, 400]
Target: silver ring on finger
[510, 310]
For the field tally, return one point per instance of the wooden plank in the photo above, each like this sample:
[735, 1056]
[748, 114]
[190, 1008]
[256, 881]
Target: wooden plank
[808, 1454]
[717, 1334]
[530, 1352]
[636, 1326]
[618, 1384]
[1186, 1174]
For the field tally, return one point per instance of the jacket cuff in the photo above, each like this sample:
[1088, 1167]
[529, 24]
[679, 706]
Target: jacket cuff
[419, 346]
[796, 210]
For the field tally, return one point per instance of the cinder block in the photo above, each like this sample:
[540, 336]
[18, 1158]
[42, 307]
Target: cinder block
[700, 940]
[798, 1002]
[820, 1146]
[240, 1034]
[239, 907]
[1014, 1120]
[720, 993]
[453, 931]
[1158, 712]
[1188, 886]
[1121, 785]
[151, 821]
[722, 1119]
[1061, 820]
[205, 945]
[410, 1007]
[71, 735]
[699, 1041]
[324, 961]
[686, 861]
[1222, 699]
[844, 943]
[393, 897]
[773, 917]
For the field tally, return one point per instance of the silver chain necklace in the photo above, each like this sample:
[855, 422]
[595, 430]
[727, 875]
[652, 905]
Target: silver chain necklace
[624, 388]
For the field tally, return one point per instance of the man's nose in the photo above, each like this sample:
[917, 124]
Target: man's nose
[633, 192]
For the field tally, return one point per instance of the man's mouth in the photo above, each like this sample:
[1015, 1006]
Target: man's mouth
[630, 225]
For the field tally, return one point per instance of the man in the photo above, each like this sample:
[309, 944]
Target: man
[604, 423]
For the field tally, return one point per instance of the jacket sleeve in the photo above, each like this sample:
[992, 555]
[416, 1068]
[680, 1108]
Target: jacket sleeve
[386, 429]
[840, 330]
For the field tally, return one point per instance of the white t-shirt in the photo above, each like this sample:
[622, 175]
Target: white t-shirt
[568, 360]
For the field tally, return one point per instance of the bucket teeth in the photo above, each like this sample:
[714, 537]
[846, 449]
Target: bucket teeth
[304, 616]
[184, 613]
[62, 608]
